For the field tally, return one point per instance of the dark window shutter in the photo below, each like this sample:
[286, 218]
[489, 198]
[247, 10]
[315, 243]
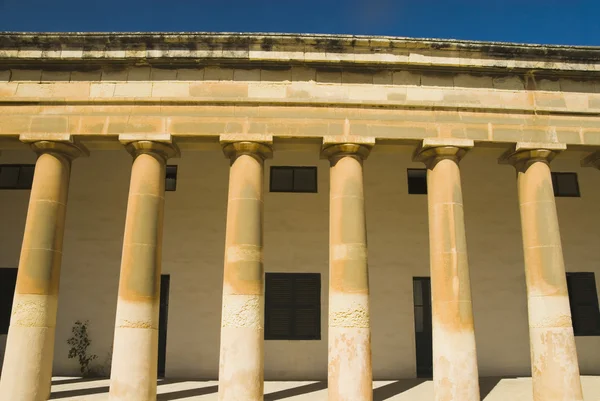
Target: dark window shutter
[8, 280]
[292, 306]
[583, 298]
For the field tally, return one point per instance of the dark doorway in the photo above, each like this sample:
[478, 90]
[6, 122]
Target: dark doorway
[423, 341]
[8, 281]
[165, 282]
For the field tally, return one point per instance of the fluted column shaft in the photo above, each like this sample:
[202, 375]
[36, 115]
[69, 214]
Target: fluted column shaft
[555, 369]
[27, 369]
[455, 373]
[349, 369]
[242, 330]
[135, 347]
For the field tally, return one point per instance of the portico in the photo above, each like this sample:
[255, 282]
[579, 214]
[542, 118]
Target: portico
[236, 114]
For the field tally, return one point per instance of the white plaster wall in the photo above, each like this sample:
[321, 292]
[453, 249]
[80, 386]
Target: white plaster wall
[296, 240]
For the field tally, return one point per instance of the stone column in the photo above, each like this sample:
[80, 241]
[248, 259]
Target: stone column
[242, 331]
[592, 160]
[135, 347]
[349, 371]
[555, 370]
[455, 375]
[27, 369]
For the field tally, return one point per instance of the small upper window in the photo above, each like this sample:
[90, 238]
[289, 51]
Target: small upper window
[565, 184]
[171, 179]
[293, 179]
[16, 176]
[417, 181]
[583, 299]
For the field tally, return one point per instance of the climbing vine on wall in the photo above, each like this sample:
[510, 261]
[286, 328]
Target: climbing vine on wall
[80, 342]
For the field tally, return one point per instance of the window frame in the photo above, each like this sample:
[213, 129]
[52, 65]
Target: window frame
[317, 307]
[20, 166]
[556, 188]
[408, 179]
[577, 331]
[293, 169]
[167, 177]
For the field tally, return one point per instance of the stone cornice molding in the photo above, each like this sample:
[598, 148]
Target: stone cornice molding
[523, 154]
[155, 144]
[256, 145]
[592, 160]
[432, 150]
[335, 147]
[60, 144]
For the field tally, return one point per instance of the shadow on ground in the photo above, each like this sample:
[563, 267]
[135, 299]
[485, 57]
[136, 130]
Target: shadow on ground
[382, 393]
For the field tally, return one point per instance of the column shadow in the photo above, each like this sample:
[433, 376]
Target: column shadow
[80, 392]
[177, 395]
[76, 380]
[389, 390]
[487, 384]
[291, 392]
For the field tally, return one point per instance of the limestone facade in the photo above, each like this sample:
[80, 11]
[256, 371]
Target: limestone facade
[362, 110]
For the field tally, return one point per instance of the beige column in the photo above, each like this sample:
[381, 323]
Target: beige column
[554, 367]
[242, 331]
[349, 371]
[135, 347]
[592, 160]
[455, 375]
[27, 369]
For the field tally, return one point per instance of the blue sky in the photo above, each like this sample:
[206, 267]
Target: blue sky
[574, 22]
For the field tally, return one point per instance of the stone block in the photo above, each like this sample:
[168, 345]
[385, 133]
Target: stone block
[424, 94]
[350, 77]
[170, 89]
[576, 101]
[437, 79]
[4, 75]
[549, 99]
[133, 89]
[163, 74]
[370, 92]
[91, 76]
[509, 83]
[303, 74]
[185, 74]
[218, 74]
[329, 76]
[571, 85]
[547, 85]
[473, 81]
[26, 75]
[396, 94]
[102, 90]
[246, 74]
[138, 74]
[114, 75]
[49, 124]
[219, 90]
[406, 78]
[383, 77]
[276, 75]
[8, 89]
[51, 76]
[262, 90]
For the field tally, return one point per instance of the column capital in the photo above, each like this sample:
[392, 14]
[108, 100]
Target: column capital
[432, 150]
[62, 144]
[592, 160]
[256, 145]
[524, 154]
[346, 145]
[159, 144]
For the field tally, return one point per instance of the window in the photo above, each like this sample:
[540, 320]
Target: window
[292, 306]
[8, 280]
[565, 184]
[16, 176]
[583, 299]
[293, 179]
[171, 179]
[417, 181]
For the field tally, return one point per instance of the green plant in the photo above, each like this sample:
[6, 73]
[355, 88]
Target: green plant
[80, 342]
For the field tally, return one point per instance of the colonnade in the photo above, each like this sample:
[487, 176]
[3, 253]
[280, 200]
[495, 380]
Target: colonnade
[26, 374]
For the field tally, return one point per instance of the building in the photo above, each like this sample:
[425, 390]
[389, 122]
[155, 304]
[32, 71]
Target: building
[250, 135]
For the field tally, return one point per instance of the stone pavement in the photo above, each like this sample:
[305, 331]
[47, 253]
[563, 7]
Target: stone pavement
[492, 389]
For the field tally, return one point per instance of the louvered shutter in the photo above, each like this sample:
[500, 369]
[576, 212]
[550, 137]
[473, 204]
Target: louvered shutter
[307, 294]
[292, 306]
[583, 299]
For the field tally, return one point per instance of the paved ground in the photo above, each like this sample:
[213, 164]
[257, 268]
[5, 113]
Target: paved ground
[492, 389]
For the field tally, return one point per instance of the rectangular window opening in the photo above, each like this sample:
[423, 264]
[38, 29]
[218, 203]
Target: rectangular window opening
[565, 185]
[417, 181]
[16, 176]
[171, 178]
[292, 306]
[583, 299]
[293, 179]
